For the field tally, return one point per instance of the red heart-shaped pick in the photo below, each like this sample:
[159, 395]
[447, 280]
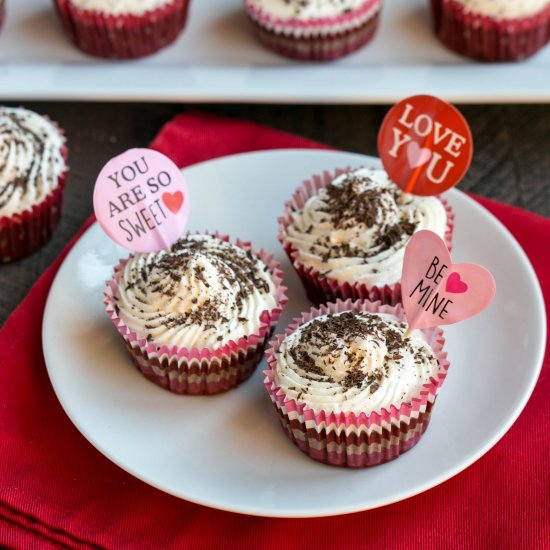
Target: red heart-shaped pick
[437, 292]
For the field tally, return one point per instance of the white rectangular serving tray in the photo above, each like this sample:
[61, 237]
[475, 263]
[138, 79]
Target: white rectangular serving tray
[217, 60]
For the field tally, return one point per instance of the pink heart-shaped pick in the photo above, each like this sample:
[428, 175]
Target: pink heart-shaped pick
[437, 292]
[416, 155]
[173, 201]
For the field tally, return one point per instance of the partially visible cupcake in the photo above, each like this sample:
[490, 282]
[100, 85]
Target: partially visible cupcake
[315, 30]
[33, 171]
[345, 233]
[197, 316]
[122, 29]
[350, 388]
[2, 12]
[493, 30]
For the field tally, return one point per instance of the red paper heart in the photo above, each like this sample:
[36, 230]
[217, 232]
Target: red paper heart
[455, 284]
[437, 292]
[173, 201]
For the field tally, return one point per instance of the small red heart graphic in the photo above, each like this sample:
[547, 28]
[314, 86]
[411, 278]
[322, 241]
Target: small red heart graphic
[173, 201]
[455, 284]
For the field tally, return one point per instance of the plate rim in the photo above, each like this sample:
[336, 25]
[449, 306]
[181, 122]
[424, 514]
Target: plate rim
[402, 495]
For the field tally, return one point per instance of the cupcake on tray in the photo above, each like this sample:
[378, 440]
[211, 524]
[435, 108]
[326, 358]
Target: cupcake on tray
[345, 233]
[316, 30]
[197, 316]
[493, 30]
[122, 29]
[350, 388]
[33, 171]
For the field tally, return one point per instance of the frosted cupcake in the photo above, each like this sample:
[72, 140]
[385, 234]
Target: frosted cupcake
[197, 316]
[33, 171]
[349, 388]
[317, 30]
[493, 30]
[122, 29]
[346, 232]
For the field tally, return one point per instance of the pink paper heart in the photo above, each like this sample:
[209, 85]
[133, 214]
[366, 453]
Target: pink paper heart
[455, 284]
[437, 292]
[416, 155]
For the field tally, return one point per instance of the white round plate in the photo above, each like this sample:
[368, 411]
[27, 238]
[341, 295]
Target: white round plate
[228, 451]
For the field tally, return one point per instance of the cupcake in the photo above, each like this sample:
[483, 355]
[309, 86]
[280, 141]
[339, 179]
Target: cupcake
[197, 316]
[122, 29]
[2, 12]
[315, 30]
[493, 30]
[33, 171]
[349, 387]
[346, 232]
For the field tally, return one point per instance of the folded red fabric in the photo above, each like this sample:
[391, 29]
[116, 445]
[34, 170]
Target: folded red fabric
[57, 490]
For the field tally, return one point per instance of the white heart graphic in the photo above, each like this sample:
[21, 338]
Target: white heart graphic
[416, 155]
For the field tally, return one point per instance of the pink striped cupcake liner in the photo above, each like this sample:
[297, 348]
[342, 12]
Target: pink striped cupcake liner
[486, 38]
[21, 234]
[123, 36]
[355, 439]
[200, 371]
[320, 288]
[316, 39]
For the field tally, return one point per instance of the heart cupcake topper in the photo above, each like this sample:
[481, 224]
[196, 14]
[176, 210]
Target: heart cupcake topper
[425, 145]
[141, 200]
[437, 292]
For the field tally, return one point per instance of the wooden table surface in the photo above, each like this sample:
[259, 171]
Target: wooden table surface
[511, 157]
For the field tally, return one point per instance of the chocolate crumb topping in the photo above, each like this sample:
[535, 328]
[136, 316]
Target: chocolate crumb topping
[334, 336]
[354, 361]
[357, 200]
[394, 234]
[241, 268]
[211, 279]
[350, 203]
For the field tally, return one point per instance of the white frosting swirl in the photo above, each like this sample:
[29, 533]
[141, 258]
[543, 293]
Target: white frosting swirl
[307, 9]
[504, 9]
[30, 159]
[201, 293]
[120, 7]
[353, 362]
[366, 242]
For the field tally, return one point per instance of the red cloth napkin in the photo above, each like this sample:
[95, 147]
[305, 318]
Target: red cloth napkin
[56, 489]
